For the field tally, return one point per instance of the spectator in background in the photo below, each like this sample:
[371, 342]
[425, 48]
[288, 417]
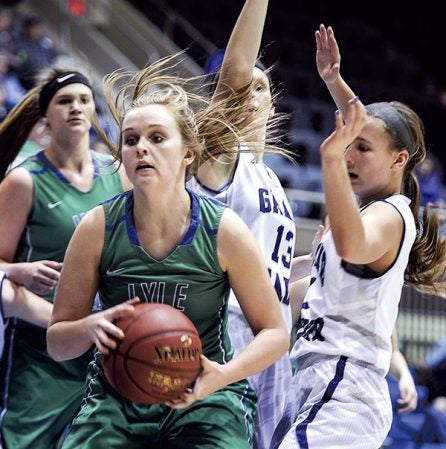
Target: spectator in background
[3, 108]
[429, 178]
[35, 49]
[7, 40]
[12, 87]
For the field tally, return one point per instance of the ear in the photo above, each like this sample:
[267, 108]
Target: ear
[401, 160]
[189, 156]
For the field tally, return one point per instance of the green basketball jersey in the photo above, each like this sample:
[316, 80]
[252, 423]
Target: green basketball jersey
[58, 206]
[40, 396]
[189, 279]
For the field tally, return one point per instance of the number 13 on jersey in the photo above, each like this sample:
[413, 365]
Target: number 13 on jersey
[280, 265]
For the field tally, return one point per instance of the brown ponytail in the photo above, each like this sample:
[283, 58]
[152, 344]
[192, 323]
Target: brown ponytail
[427, 260]
[16, 127]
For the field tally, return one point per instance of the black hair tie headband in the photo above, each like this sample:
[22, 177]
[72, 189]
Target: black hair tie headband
[62, 79]
[394, 120]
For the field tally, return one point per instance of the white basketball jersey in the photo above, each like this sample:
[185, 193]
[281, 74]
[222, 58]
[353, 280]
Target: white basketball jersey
[256, 195]
[2, 316]
[350, 310]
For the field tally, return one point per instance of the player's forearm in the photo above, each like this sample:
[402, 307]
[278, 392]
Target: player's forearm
[266, 348]
[244, 44]
[11, 270]
[32, 308]
[346, 227]
[301, 267]
[340, 92]
[68, 340]
[398, 366]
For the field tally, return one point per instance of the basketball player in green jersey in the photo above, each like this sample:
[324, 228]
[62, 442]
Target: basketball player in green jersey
[165, 244]
[41, 203]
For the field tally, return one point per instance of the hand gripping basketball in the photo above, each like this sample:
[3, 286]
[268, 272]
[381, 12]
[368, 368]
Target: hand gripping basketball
[159, 357]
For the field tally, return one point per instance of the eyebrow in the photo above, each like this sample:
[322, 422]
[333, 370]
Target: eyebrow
[155, 125]
[82, 94]
[361, 139]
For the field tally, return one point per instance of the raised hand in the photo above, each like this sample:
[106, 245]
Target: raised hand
[328, 57]
[345, 132]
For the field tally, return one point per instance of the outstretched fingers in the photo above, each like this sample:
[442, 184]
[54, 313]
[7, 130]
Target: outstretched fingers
[356, 116]
[321, 37]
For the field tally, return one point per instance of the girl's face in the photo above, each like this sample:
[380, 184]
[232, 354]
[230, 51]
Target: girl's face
[375, 170]
[70, 109]
[260, 99]
[152, 146]
[261, 95]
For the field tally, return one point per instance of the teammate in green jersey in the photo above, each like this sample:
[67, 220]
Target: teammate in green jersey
[190, 250]
[41, 203]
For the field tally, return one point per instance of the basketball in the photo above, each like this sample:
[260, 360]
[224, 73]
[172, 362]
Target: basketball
[159, 357]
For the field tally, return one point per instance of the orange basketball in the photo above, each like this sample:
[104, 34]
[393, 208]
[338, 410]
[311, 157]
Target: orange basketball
[158, 359]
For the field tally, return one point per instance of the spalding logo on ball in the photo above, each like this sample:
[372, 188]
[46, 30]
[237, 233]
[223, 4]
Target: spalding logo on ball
[159, 357]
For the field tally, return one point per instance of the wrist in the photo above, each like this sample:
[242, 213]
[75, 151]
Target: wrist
[332, 159]
[333, 80]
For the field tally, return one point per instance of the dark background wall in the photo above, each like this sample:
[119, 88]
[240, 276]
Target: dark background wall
[391, 50]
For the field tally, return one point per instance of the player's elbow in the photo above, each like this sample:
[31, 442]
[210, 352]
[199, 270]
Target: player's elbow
[346, 250]
[283, 341]
[53, 348]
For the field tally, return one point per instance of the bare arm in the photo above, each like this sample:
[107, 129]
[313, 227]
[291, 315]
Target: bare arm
[328, 61]
[301, 276]
[73, 329]
[374, 236]
[298, 290]
[18, 302]
[240, 256]
[243, 47]
[16, 197]
[301, 265]
[236, 72]
[400, 371]
[248, 276]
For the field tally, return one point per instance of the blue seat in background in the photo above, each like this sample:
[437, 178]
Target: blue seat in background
[411, 445]
[399, 445]
[408, 427]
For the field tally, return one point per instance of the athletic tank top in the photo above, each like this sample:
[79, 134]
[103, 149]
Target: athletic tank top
[58, 207]
[349, 309]
[255, 194]
[189, 279]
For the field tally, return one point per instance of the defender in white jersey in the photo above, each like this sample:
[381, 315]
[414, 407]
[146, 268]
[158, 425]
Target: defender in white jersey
[344, 335]
[241, 180]
[257, 196]
[339, 398]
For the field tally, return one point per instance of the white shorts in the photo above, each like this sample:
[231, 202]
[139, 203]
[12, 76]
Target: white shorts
[336, 404]
[271, 385]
